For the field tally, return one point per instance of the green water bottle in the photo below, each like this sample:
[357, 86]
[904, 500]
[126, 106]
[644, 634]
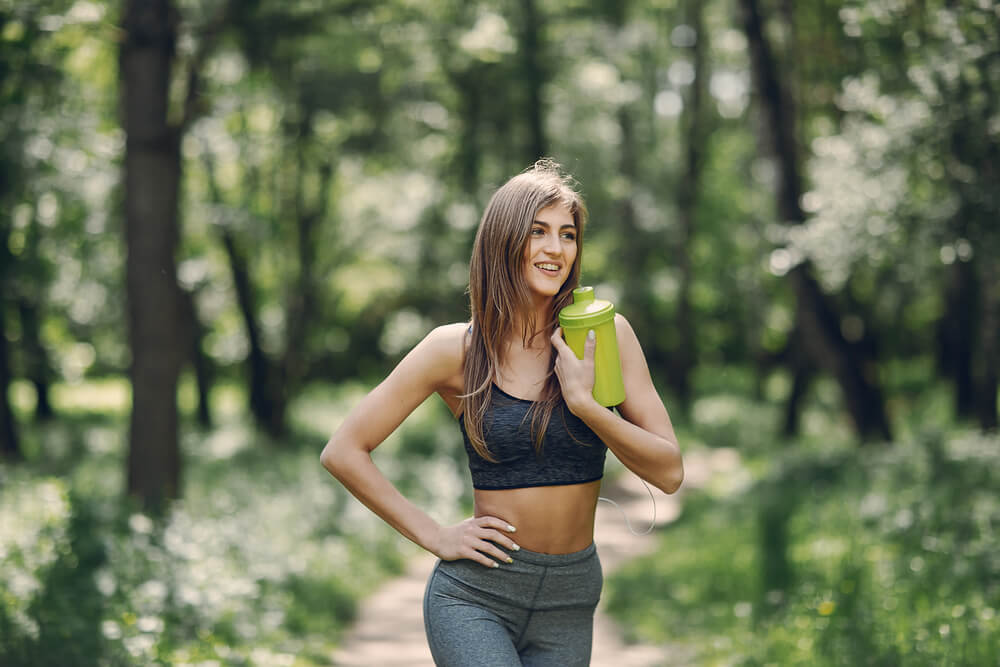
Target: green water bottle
[587, 313]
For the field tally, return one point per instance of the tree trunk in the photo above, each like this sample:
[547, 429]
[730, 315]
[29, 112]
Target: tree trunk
[634, 248]
[200, 361]
[261, 371]
[534, 79]
[817, 322]
[964, 297]
[956, 333]
[802, 375]
[634, 241]
[36, 365]
[152, 178]
[696, 122]
[468, 154]
[302, 301]
[10, 447]
[989, 343]
[970, 325]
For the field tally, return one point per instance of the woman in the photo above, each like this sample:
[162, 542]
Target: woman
[518, 582]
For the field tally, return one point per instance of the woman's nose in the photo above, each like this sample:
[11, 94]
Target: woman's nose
[552, 245]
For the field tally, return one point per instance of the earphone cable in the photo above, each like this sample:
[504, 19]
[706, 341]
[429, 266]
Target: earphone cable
[628, 523]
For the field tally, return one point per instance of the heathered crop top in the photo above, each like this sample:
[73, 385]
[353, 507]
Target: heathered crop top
[571, 452]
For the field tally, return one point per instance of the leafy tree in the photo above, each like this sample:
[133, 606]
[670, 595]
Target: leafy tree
[30, 76]
[818, 324]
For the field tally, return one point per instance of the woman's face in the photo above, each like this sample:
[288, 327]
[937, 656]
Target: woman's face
[551, 250]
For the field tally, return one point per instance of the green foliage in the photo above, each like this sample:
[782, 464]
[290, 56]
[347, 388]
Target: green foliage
[349, 149]
[872, 557]
[263, 561]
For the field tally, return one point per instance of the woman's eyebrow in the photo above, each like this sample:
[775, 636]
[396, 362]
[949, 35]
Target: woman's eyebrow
[546, 225]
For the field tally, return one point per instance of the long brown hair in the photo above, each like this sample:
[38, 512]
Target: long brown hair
[499, 295]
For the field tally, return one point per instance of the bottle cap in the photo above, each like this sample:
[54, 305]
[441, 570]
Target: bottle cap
[586, 311]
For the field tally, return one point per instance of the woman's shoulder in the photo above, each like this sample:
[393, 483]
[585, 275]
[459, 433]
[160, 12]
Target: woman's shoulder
[628, 342]
[622, 326]
[450, 334]
[445, 347]
[446, 344]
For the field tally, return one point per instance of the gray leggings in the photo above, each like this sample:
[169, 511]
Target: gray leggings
[538, 610]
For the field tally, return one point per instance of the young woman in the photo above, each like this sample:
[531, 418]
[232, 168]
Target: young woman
[518, 582]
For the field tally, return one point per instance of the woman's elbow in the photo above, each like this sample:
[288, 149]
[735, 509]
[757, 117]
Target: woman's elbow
[333, 459]
[672, 482]
[672, 477]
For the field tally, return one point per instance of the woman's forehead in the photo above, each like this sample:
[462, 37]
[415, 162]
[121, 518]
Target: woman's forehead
[556, 215]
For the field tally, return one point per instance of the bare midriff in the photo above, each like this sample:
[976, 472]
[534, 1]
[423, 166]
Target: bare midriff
[548, 519]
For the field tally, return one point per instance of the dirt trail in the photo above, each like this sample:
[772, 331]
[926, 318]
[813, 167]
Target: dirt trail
[389, 631]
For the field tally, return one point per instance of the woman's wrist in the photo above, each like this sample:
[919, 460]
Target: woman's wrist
[430, 538]
[584, 405]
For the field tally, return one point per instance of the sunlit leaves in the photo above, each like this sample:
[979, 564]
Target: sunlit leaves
[33, 516]
[489, 39]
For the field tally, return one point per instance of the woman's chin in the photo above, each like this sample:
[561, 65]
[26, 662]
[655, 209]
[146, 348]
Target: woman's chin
[544, 293]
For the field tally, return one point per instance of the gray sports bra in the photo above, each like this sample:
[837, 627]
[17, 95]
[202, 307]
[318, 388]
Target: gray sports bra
[571, 452]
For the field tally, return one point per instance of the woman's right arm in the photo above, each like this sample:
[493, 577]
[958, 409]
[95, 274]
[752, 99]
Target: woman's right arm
[426, 369]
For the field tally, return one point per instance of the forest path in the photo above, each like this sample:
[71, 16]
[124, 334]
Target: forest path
[389, 631]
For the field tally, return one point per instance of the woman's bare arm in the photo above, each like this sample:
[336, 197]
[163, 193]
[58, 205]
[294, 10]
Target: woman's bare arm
[347, 455]
[644, 440]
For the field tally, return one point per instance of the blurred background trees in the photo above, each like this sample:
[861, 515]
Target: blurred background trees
[222, 205]
[332, 160]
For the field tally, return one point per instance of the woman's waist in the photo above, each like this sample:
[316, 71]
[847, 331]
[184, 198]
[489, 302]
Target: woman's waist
[548, 519]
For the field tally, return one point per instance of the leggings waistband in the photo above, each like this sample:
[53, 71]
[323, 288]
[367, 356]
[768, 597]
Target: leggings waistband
[553, 560]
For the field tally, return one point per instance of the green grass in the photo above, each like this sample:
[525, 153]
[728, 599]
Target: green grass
[835, 555]
[262, 562]
[815, 552]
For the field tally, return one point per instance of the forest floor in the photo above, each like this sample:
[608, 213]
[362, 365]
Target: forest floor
[389, 631]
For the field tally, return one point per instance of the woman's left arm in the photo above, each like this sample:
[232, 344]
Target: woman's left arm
[644, 440]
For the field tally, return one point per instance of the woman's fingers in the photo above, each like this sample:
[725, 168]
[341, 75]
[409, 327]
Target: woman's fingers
[491, 532]
[487, 521]
[482, 559]
[499, 538]
[490, 549]
[497, 530]
[480, 550]
[558, 342]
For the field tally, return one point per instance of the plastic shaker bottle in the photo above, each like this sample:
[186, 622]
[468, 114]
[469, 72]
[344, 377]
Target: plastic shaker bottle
[576, 319]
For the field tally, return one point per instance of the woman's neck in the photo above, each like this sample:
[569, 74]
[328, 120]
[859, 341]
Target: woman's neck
[539, 336]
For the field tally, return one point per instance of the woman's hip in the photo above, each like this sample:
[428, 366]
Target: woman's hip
[533, 581]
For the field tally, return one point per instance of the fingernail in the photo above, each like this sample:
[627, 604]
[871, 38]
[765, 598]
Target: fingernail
[509, 559]
[495, 564]
[591, 335]
[516, 548]
[511, 528]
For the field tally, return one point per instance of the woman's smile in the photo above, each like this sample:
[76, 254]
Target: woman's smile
[549, 269]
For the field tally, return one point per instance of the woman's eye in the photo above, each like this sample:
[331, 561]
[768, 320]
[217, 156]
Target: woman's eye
[537, 231]
[569, 236]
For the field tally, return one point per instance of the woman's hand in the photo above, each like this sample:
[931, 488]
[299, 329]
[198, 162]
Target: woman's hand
[576, 376]
[476, 539]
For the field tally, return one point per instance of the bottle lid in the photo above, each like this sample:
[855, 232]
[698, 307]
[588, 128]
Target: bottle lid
[586, 311]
